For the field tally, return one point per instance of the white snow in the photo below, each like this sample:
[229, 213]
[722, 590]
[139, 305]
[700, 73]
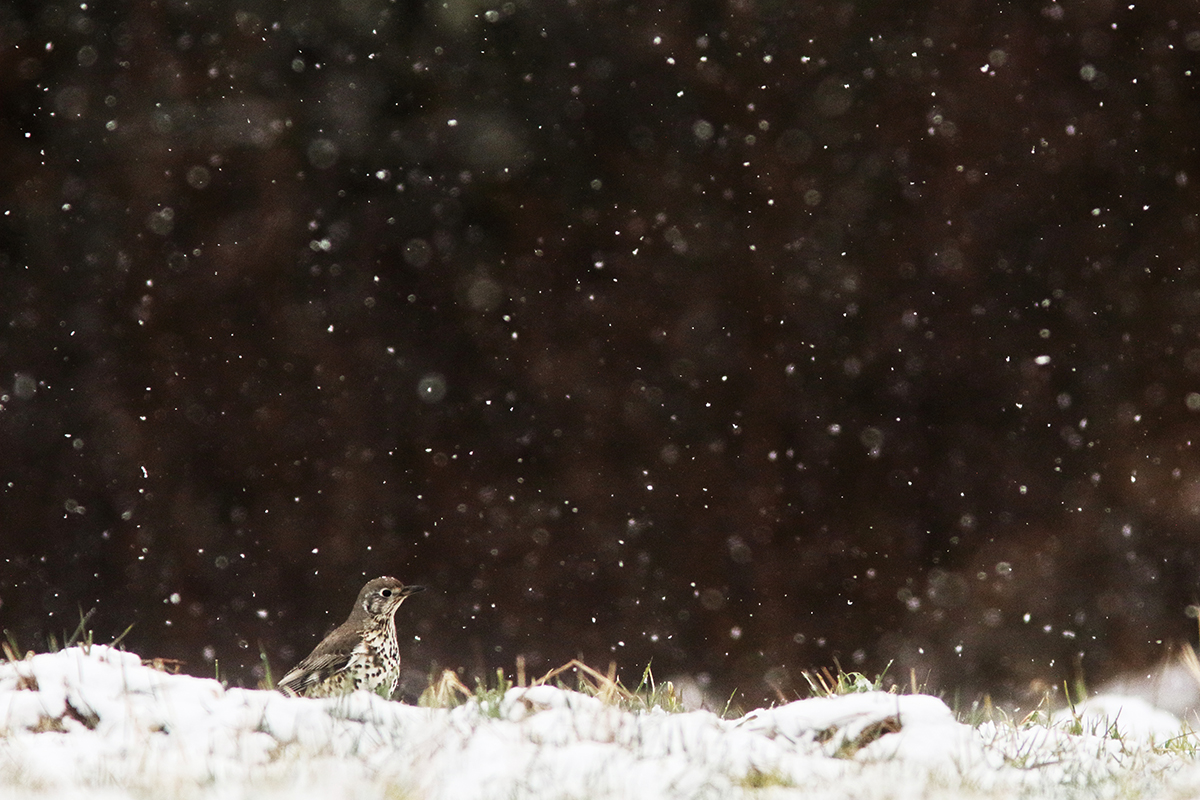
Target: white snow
[98, 723]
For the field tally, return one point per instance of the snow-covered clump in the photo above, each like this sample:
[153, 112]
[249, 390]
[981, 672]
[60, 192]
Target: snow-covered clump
[99, 723]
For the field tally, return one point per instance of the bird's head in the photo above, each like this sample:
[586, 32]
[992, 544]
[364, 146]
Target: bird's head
[382, 596]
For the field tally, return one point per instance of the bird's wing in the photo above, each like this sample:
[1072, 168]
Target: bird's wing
[311, 671]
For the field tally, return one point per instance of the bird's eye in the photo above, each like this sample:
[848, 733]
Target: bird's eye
[386, 592]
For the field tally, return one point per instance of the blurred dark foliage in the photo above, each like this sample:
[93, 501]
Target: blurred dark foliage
[738, 338]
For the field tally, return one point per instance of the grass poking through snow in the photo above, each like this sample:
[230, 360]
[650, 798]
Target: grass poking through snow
[447, 690]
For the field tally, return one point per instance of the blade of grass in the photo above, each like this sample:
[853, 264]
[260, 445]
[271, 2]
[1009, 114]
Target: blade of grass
[117, 640]
[11, 649]
[79, 629]
[268, 678]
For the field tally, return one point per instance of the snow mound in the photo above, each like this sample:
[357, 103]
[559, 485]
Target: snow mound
[99, 723]
[1129, 717]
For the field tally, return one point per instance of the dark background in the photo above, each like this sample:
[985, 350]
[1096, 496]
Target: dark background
[738, 338]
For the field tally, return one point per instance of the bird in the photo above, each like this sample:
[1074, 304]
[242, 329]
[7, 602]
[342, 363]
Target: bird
[361, 653]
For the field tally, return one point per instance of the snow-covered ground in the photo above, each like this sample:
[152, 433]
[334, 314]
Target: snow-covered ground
[99, 723]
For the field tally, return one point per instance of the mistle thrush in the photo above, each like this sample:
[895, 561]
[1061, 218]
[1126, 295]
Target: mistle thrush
[361, 653]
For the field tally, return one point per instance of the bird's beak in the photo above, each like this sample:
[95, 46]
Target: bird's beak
[407, 590]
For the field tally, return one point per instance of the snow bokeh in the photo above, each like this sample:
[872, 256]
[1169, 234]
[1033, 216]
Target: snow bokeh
[97, 722]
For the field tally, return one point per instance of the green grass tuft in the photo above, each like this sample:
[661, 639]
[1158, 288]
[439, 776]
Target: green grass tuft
[760, 779]
[829, 684]
[447, 689]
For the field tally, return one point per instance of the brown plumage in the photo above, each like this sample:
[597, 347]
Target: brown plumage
[361, 653]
